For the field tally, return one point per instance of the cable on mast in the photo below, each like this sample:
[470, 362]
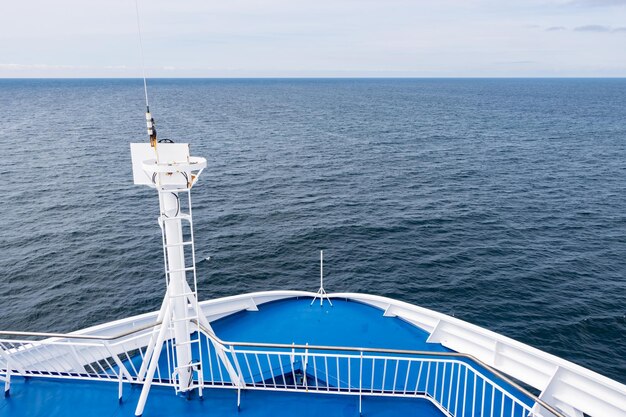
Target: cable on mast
[152, 133]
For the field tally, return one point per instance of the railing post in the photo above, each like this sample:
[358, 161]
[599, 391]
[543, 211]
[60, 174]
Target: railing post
[120, 389]
[465, 389]
[201, 375]
[241, 381]
[361, 384]
[305, 362]
[7, 381]
[474, 394]
[306, 356]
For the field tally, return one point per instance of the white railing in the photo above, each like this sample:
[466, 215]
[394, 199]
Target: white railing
[68, 358]
[575, 390]
[456, 385]
[570, 387]
[76, 356]
[115, 358]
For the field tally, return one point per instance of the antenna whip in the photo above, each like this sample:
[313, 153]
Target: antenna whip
[152, 133]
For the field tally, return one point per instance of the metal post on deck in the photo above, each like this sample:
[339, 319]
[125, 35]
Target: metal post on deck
[305, 363]
[361, 384]
[321, 292]
[240, 380]
[7, 381]
[120, 388]
[200, 378]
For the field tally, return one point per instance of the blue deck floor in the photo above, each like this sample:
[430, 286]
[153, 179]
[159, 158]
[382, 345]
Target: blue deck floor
[346, 323]
[52, 398]
[287, 321]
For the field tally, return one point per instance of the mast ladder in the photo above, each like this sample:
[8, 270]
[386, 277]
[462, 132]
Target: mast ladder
[185, 376]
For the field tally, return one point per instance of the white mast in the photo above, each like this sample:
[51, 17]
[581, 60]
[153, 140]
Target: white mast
[169, 169]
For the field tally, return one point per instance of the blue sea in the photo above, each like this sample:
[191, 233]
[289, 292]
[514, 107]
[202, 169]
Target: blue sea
[499, 201]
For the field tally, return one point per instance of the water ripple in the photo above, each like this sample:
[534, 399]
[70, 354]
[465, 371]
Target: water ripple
[499, 201]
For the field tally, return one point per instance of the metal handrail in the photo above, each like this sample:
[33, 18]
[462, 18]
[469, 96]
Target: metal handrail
[79, 336]
[494, 371]
[211, 335]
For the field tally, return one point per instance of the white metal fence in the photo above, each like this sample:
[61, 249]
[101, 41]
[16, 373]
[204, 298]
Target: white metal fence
[90, 358]
[456, 384]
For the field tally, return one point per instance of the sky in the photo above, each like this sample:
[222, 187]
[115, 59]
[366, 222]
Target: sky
[316, 38]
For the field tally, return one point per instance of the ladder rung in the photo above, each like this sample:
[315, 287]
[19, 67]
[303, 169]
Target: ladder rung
[176, 190]
[189, 268]
[184, 319]
[173, 245]
[187, 366]
[185, 294]
[181, 216]
[189, 342]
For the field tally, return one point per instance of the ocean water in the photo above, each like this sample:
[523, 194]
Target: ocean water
[501, 202]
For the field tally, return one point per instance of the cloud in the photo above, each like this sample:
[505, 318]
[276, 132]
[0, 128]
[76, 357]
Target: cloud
[597, 3]
[600, 29]
[12, 66]
[589, 28]
[592, 28]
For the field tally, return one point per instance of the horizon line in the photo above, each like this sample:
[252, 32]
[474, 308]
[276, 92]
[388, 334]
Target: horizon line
[319, 77]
